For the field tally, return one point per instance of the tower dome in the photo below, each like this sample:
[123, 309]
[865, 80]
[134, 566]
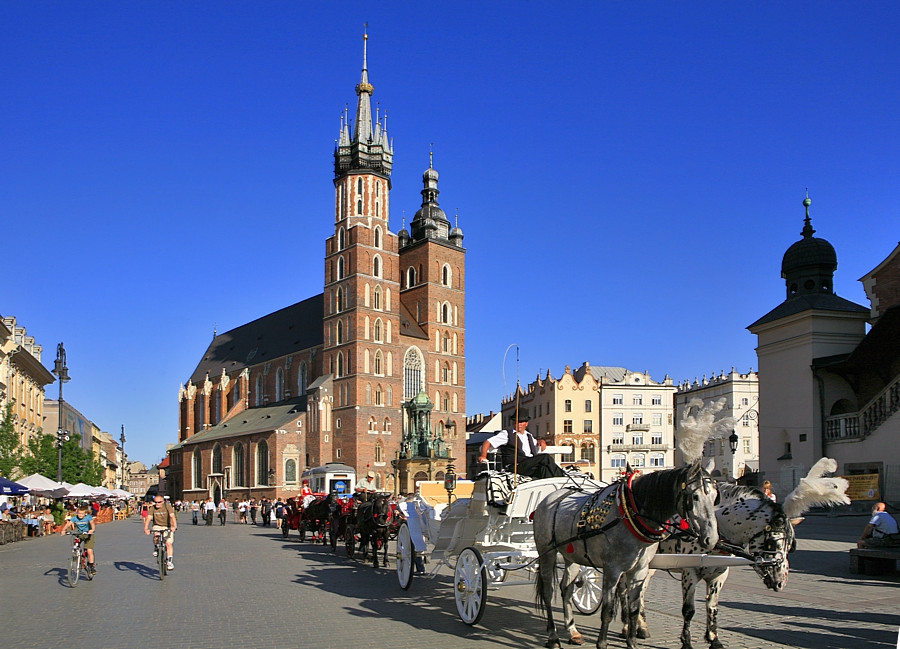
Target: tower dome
[808, 265]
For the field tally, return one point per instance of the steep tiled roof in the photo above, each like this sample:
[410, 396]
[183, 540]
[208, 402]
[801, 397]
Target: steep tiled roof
[253, 420]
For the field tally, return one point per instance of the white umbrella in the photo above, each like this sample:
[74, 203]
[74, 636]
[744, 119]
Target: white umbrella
[82, 490]
[121, 493]
[37, 482]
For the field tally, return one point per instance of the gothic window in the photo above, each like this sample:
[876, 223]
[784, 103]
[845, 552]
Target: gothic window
[217, 459]
[217, 413]
[197, 467]
[339, 302]
[339, 333]
[378, 396]
[445, 275]
[301, 379]
[387, 426]
[376, 299]
[235, 395]
[377, 330]
[410, 277]
[372, 425]
[239, 470]
[445, 313]
[340, 365]
[290, 472]
[262, 463]
[379, 452]
[445, 373]
[377, 230]
[259, 390]
[379, 365]
[376, 266]
[279, 384]
[412, 373]
[359, 185]
[340, 268]
[445, 402]
[341, 242]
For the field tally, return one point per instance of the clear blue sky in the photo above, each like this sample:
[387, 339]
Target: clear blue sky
[628, 175]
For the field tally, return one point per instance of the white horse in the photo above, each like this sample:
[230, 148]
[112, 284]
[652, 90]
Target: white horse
[617, 529]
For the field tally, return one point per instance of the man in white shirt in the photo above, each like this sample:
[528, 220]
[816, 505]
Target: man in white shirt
[529, 461]
[881, 529]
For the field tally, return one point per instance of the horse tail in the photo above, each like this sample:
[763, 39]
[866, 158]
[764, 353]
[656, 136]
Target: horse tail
[540, 604]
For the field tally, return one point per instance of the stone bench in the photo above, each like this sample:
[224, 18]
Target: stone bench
[874, 561]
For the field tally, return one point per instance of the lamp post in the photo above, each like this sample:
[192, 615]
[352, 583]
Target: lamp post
[62, 435]
[733, 442]
[123, 463]
[450, 482]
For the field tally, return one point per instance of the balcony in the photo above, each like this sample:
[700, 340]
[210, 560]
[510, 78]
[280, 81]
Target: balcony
[841, 427]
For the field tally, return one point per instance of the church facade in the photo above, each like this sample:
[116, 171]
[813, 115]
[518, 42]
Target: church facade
[369, 373]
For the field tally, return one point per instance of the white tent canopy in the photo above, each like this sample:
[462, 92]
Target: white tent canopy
[38, 483]
[82, 490]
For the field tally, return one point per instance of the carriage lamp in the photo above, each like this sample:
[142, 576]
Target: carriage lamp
[450, 482]
[733, 442]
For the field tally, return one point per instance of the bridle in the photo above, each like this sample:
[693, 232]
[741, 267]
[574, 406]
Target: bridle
[770, 558]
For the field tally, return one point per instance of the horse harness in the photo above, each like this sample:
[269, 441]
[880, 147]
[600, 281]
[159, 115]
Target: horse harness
[770, 555]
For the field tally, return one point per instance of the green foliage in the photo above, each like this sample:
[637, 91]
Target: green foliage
[59, 513]
[10, 453]
[78, 465]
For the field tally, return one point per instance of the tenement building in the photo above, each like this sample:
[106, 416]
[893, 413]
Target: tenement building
[609, 416]
[369, 373]
[829, 387]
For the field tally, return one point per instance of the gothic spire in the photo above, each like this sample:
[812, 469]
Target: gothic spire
[362, 131]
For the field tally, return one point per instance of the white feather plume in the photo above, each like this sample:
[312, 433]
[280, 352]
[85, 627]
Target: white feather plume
[817, 490]
[698, 427]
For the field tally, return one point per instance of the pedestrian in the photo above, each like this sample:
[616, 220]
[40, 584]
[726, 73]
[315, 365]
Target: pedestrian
[195, 511]
[266, 511]
[767, 490]
[242, 509]
[234, 511]
[209, 507]
[254, 506]
[881, 530]
[223, 511]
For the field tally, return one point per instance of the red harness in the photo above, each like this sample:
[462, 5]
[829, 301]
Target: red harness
[628, 512]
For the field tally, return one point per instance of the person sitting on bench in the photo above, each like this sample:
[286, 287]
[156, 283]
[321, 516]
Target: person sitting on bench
[881, 529]
[529, 461]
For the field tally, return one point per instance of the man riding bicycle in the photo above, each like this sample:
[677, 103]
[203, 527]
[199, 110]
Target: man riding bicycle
[162, 521]
[82, 524]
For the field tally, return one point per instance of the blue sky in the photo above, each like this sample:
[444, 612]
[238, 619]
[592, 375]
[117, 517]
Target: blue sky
[627, 175]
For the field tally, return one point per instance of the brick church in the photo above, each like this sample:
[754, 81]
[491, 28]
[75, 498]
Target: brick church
[369, 373]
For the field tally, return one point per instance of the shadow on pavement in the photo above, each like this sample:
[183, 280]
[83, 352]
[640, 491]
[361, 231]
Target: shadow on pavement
[139, 568]
[61, 574]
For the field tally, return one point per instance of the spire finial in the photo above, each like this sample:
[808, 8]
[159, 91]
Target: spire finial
[365, 38]
[807, 224]
[431, 155]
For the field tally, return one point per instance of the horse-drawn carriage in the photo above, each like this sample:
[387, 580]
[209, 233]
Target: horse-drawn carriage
[367, 523]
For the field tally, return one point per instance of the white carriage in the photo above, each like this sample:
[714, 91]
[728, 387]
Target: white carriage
[490, 541]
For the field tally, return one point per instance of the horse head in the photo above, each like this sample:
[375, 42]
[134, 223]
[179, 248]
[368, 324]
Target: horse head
[762, 528]
[697, 500]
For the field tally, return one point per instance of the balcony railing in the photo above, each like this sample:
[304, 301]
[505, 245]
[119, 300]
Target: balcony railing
[838, 427]
[859, 425]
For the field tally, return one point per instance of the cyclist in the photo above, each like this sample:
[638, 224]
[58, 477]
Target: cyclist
[83, 525]
[162, 520]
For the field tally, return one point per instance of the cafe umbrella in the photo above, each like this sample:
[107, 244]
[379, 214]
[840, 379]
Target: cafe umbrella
[10, 488]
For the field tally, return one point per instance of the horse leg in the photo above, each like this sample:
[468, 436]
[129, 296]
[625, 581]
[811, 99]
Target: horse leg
[643, 632]
[689, 580]
[567, 588]
[543, 593]
[714, 584]
[608, 604]
[635, 583]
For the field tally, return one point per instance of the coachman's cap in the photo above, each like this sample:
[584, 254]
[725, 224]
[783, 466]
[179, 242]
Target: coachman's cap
[522, 416]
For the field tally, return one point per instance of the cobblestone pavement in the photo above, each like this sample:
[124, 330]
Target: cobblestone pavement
[241, 587]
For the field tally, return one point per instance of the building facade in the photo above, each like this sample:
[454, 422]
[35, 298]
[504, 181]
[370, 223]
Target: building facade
[829, 387]
[23, 380]
[370, 373]
[610, 416]
[741, 394]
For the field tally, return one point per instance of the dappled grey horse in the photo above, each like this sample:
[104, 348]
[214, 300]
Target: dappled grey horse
[617, 529]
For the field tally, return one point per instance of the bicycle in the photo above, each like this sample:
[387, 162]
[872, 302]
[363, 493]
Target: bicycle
[79, 561]
[159, 543]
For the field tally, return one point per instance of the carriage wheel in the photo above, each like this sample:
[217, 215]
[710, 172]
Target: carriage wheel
[588, 590]
[350, 541]
[470, 586]
[405, 557]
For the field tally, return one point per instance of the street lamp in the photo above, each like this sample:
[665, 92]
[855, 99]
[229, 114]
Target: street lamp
[122, 468]
[62, 373]
[450, 483]
[733, 442]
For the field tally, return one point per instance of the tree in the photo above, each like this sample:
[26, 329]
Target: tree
[10, 451]
[41, 456]
[78, 465]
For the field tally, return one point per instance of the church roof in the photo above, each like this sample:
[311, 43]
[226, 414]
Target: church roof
[252, 420]
[286, 331]
[810, 302]
[408, 324]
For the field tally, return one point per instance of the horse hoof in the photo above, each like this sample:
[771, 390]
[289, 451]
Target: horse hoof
[716, 644]
[643, 634]
[576, 640]
[550, 644]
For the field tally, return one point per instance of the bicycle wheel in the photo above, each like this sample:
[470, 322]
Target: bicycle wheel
[74, 567]
[161, 560]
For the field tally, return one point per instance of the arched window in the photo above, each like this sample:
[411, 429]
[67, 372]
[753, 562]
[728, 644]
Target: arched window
[239, 469]
[359, 206]
[445, 313]
[376, 299]
[378, 396]
[372, 425]
[412, 373]
[259, 390]
[387, 425]
[339, 333]
[340, 365]
[339, 301]
[379, 452]
[279, 384]
[290, 472]
[340, 268]
[377, 330]
[341, 239]
[235, 394]
[368, 394]
[217, 459]
[359, 185]
[445, 275]
[376, 266]
[262, 463]
[377, 230]
[379, 364]
[197, 468]
[301, 379]
[410, 277]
